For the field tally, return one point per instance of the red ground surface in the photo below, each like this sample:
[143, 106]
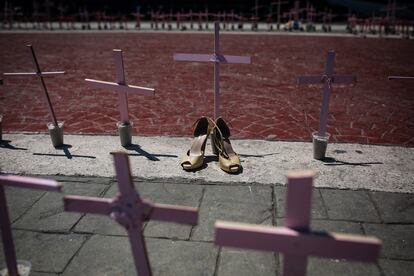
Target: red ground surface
[259, 100]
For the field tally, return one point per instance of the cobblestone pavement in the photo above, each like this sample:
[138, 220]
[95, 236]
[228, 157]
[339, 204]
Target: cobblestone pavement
[259, 100]
[59, 243]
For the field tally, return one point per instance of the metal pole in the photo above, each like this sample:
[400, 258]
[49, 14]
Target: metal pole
[216, 70]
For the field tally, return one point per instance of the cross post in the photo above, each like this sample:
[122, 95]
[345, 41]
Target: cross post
[120, 86]
[40, 74]
[131, 211]
[5, 225]
[216, 58]
[295, 240]
[327, 79]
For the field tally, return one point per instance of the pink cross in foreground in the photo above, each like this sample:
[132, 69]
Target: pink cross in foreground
[295, 240]
[131, 211]
[327, 79]
[40, 74]
[120, 86]
[217, 58]
[20, 182]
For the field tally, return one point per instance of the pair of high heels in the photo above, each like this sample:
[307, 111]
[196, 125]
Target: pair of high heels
[194, 158]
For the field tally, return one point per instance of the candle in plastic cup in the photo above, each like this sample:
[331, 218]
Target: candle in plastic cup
[125, 130]
[320, 144]
[56, 134]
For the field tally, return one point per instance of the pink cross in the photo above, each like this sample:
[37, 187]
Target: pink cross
[131, 211]
[217, 58]
[120, 86]
[40, 74]
[400, 78]
[295, 240]
[327, 79]
[20, 182]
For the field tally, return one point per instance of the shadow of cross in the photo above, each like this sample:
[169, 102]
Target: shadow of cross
[120, 86]
[40, 74]
[217, 58]
[131, 211]
[20, 182]
[296, 240]
[327, 79]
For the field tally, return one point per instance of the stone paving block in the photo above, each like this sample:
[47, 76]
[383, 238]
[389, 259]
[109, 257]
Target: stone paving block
[345, 227]
[397, 267]
[48, 214]
[394, 207]
[246, 262]
[46, 252]
[20, 200]
[318, 267]
[349, 205]
[239, 194]
[397, 240]
[177, 194]
[234, 212]
[109, 255]
[318, 210]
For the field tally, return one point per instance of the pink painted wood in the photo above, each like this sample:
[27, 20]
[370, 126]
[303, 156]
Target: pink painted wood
[216, 58]
[131, 211]
[120, 86]
[400, 78]
[40, 74]
[20, 182]
[295, 240]
[327, 79]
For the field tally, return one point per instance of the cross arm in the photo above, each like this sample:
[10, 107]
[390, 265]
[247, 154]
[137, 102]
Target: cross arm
[193, 57]
[83, 204]
[289, 241]
[43, 74]
[234, 59]
[172, 213]
[400, 77]
[30, 183]
[319, 79]
[119, 87]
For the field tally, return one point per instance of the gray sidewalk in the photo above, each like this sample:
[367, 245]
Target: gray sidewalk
[361, 189]
[59, 243]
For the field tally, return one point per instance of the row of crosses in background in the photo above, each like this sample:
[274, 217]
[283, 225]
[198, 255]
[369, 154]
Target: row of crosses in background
[295, 240]
[123, 89]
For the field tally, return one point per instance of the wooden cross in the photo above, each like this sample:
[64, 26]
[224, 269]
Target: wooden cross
[20, 182]
[120, 86]
[131, 211]
[327, 79]
[40, 74]
[295, 240]
[216, 58]
[400, 78]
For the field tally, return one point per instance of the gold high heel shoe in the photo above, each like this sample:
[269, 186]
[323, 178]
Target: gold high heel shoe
[194, 157]
[228, 159]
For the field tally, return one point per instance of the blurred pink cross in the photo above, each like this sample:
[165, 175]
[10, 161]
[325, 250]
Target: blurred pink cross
[20, 182]
[217, 58]
[40, 74]
[131, 211]
[327, 79]
[120, 86]
[295, 240]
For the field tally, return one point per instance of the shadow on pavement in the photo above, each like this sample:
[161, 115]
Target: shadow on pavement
[149, 156]
[65, 148]
[330, 161]
[5, 144]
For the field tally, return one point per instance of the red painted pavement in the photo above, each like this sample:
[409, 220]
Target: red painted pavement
[259, 100]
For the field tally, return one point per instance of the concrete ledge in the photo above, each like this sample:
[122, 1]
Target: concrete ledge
[348, 166]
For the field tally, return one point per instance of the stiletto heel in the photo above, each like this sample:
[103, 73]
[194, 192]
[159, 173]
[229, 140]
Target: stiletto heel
[228, 159]
[194, 157]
